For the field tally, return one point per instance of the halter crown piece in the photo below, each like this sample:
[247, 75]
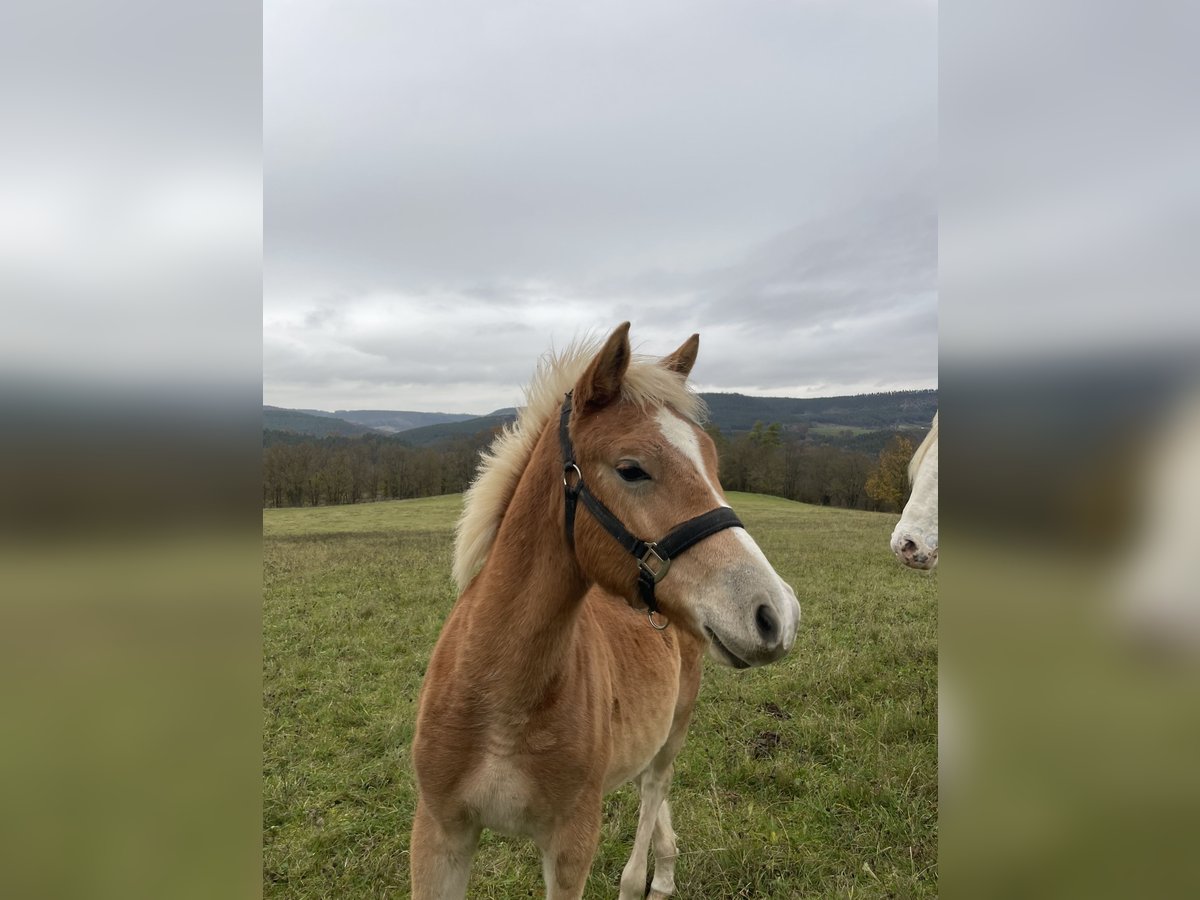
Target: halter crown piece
[653, 557]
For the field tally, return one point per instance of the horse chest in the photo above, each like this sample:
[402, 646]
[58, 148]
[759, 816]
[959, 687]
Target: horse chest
[520, 782]
[500, 795]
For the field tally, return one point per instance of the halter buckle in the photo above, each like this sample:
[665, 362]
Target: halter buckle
[664, 564]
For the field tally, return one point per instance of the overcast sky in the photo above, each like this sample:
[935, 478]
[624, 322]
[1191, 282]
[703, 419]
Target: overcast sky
[454, 188]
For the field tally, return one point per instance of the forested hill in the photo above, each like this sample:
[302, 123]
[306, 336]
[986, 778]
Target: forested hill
[861, 421]
[734, 413]
[303, 422]
[436, 434]
[347, 422]
[391, 421]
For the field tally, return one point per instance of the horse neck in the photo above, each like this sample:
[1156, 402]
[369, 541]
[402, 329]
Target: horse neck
[922, 506]
[525, 604]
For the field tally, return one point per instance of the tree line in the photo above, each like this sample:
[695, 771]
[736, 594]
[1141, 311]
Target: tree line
[306, 471]
[334, 470]
[764, 461]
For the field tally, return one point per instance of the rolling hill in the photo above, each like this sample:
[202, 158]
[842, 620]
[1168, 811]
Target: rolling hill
[392, 421]
[434, 434]
[297, 421]
[350, 422]
[734, 413]
[860, 422]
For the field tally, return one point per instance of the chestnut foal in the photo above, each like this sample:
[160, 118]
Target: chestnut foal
[545, 690]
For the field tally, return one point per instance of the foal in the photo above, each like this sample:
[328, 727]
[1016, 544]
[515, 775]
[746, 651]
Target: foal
[545, 690]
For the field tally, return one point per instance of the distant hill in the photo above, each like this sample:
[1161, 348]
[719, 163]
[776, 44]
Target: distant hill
[433, 434]
[861, 422]
[348, 422]
[297, 422]
[870, 442]
[824, 416]
[392, 421]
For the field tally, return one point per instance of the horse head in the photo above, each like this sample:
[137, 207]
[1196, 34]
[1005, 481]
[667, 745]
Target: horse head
[644, 459]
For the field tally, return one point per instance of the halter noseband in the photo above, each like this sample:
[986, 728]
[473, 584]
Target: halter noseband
[653, 557]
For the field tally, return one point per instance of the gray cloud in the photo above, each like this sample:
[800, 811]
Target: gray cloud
[453, 188]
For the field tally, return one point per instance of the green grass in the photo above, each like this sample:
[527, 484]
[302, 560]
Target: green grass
[814, 777]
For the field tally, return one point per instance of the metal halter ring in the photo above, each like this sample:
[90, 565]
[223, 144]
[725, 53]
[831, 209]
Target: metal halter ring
[578, 475]
[650, 617]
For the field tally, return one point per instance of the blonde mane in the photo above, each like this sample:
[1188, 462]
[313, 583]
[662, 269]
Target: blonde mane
[646, 383]
[914, 464]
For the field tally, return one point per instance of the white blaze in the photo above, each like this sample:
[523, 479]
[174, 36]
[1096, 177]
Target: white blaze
[681, 434]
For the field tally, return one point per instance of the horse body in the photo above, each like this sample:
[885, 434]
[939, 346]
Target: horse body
[547, 688]
[583, 726]
[915, 538]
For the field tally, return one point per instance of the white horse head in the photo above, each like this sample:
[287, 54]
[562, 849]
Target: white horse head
[915, 539]
[1159, 601]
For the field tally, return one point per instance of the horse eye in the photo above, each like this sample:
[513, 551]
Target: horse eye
[631, 472]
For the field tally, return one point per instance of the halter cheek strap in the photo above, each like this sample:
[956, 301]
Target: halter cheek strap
[653, 557]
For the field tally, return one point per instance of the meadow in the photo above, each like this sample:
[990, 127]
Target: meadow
[814, 777]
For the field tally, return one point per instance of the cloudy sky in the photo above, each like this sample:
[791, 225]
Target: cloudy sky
[454, 188]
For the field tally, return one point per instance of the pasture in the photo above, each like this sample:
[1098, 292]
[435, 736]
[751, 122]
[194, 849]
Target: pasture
[813, 777]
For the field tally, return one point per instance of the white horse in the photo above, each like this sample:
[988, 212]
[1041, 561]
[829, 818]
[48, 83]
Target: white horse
[915, 539]
[1159, 601]
[915, 542]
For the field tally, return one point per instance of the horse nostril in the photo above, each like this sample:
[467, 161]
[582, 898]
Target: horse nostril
[768, 623]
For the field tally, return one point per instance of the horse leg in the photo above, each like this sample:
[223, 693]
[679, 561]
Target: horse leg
[440, 860]
[652, 785]
[567, 855]
[665, 851]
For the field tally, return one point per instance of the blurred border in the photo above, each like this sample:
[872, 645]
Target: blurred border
[1069, 341]
[130, 265]
[130, 389]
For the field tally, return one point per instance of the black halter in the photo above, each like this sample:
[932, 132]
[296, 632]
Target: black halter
[653, 557]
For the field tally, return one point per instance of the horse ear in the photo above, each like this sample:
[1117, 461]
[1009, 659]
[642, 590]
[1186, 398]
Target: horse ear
[601, 383]
[684, 358]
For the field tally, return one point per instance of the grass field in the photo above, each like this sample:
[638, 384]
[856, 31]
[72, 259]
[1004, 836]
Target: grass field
[814, 777]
